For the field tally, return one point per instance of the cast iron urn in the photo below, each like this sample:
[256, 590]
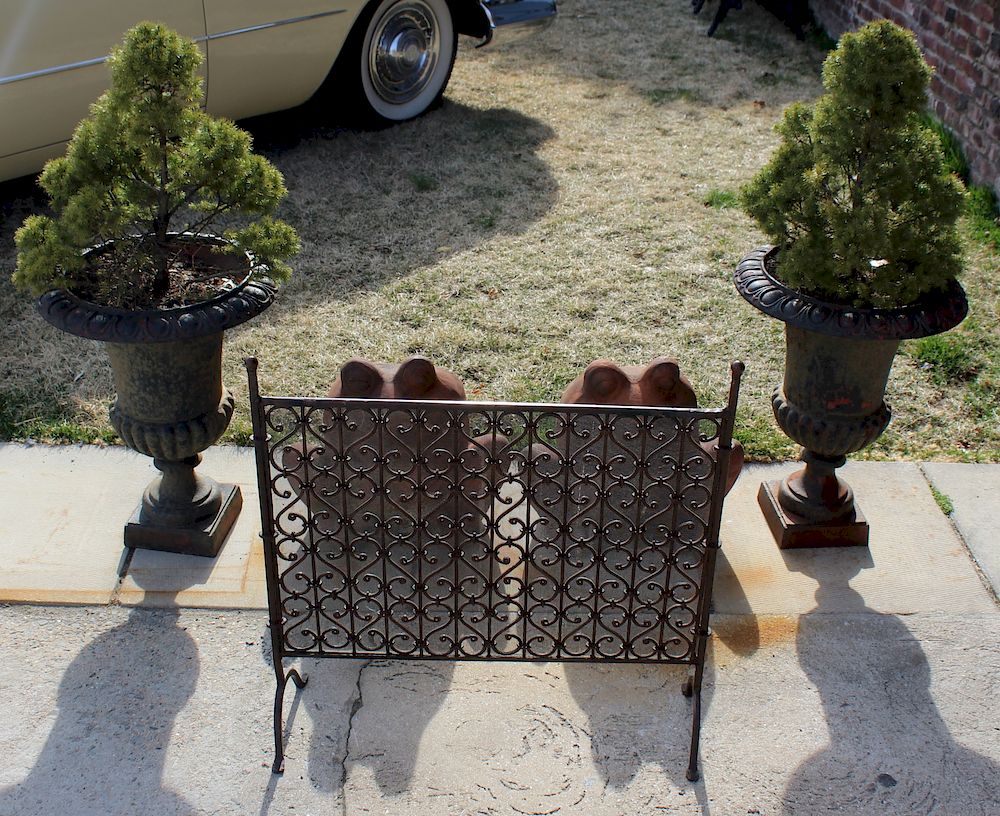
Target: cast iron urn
[831, 401]
[171, 404]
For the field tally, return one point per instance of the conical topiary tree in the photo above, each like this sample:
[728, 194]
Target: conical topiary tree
[146, 163]
[857, 195]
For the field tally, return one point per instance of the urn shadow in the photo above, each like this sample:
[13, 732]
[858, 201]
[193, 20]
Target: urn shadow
[890, 751]
[117, 703]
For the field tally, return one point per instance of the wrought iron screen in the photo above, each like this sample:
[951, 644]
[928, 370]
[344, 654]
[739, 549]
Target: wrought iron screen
[465, 530]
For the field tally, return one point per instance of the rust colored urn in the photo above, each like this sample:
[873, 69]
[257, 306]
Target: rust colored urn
[837, 363]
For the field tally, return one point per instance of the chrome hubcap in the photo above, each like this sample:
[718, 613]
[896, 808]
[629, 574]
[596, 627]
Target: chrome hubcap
[406, 46]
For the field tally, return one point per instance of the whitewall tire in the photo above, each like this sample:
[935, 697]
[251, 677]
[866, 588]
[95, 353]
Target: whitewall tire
[407, 50]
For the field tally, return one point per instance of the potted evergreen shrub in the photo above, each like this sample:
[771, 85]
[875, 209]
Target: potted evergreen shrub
[135, 255]
[862, 213]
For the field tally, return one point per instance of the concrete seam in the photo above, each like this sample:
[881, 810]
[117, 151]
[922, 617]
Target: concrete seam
[965, 545]
[356, 705]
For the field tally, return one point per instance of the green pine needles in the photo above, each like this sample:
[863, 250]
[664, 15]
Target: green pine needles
[146, 163]
[857, 195]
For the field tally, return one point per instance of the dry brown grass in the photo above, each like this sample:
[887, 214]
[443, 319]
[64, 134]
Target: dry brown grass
[550, 213]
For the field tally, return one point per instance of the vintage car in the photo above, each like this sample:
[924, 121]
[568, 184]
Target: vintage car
[389, 60]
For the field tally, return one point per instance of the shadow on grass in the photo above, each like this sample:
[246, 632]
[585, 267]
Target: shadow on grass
[370, 207]
[378, 205]
[662, 52]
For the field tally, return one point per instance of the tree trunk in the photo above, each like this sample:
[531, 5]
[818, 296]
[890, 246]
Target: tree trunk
[162, 281]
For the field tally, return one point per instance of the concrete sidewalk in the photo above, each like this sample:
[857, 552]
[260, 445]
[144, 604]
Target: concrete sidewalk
[847, 682]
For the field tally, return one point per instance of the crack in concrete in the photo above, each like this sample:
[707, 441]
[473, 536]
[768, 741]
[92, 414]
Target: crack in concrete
[356, 705]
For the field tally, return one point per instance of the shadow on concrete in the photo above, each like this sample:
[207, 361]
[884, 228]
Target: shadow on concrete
[890, 751]
[321, 705]
[638, 715]
[420, 685]
[117, 703]
[413, 689]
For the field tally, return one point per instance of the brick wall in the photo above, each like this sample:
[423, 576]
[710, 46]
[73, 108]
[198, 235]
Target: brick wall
[961, 39]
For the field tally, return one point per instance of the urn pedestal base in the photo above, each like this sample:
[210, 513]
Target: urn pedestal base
[205, 538]
[792, 532]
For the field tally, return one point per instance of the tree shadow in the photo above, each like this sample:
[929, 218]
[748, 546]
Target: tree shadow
[890, 751]
[117, 703]
[637, 714]
[661, 52]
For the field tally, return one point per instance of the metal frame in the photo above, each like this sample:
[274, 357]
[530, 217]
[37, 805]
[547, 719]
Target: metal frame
[490, 531]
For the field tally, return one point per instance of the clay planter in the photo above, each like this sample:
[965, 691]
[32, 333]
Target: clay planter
[831, 402]
[171, 403]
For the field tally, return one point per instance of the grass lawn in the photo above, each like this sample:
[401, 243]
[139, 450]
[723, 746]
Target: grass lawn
[572, 199]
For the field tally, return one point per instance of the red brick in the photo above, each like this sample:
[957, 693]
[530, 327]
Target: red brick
[961, 39]
[968, 24]
[984, 11]
[957, 40]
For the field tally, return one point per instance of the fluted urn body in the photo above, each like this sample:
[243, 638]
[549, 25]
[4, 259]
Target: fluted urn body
[832, 398]
[171, 404]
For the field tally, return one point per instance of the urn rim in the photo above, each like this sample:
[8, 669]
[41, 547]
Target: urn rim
[933, 314]
[72, 314]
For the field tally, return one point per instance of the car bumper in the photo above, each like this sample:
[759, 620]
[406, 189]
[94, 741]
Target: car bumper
[511, 19]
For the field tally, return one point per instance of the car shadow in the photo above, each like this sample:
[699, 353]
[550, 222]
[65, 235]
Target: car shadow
[19, 198]
[378, 205]
[889, 751]
[369, 207]
[114, 723]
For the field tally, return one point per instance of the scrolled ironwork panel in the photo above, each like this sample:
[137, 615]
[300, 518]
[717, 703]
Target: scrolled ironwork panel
[465, 530]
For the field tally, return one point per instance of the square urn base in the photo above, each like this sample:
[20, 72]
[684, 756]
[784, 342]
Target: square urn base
[794, 532]
[205, 541]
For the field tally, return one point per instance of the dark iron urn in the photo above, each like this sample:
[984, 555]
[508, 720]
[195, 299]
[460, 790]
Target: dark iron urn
[171, 405]
[831, 402]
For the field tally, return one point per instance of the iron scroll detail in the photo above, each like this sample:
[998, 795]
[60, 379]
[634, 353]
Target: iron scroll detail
[490, 531]
[936, 313]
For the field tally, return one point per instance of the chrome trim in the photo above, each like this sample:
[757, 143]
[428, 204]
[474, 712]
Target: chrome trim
[17, 153]
[509, 19]
[58, 69]
[262, 26]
